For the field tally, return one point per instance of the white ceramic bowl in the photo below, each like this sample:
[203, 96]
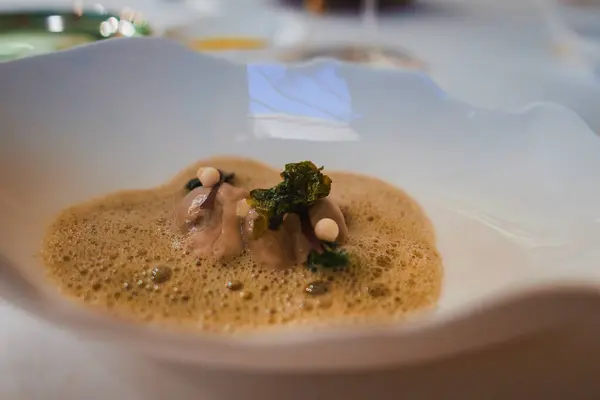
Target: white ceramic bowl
[514, 197]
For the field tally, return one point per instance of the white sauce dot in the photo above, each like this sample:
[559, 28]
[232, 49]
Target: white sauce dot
[209, 176]
[327, 229]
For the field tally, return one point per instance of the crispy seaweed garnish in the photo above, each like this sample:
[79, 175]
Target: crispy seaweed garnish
[331, 257]
[302, 186]
[193, 184]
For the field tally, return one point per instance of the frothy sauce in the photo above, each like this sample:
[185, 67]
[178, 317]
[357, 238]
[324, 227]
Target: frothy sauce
[123, 253]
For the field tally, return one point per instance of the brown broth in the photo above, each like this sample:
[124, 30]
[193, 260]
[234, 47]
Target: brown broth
[103, 253]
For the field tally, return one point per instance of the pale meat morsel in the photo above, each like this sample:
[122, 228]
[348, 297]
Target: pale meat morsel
[213, 231]
[229, 243]
[287, 246]
[300, 242]
[188, 212]
[273, 249]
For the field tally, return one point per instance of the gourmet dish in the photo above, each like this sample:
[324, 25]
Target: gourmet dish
[231, 244]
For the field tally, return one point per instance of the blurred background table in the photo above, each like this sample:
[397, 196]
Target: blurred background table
[496, 55]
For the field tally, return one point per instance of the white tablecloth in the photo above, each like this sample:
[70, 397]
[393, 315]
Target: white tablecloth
[492, 59]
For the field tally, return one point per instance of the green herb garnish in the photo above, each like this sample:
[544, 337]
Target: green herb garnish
[302, 186]
[331, 257]
[193, 184]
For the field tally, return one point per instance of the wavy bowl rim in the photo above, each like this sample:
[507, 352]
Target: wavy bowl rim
[279, 338]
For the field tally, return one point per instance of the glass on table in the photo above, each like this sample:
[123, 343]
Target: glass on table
[349, 30]
[35, 32]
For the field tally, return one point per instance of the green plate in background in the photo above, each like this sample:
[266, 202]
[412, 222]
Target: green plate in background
[24, 34]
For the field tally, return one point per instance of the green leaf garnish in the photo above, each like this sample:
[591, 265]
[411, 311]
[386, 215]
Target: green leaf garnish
[331, 257]
[303, 184]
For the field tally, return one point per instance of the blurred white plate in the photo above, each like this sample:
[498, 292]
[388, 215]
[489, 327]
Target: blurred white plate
[514, 197]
